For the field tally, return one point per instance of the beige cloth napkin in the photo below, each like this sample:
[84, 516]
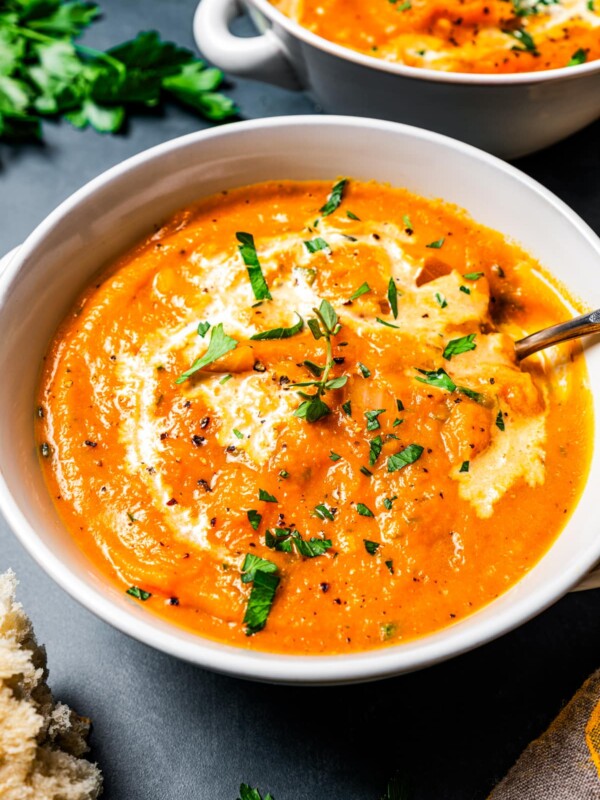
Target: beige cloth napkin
[564, 763]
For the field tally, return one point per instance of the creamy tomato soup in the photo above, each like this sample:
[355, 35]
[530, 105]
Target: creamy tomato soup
[292, 418]
[459, 35]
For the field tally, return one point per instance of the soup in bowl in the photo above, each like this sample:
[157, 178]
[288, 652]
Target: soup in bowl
[285, 435]
[510, 77]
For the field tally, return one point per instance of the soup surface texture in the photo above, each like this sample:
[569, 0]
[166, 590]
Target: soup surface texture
[484, 36]
[292, 418]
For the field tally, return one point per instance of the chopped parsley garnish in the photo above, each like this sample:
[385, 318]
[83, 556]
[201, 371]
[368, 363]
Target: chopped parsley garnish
[286, 539]
[218, 346]
[437, 244]
[254, 518]
[578, 57]
[523, 38]
[281, 333]
[334, 456]
[390, 565]
[464, 289]
[392, 295]
[360, 291]
[405, 6]
[253, 564]
[314, 245]
[372, 421]
[364, 371]
[265, 580]
[400, 405]
[326, 325]
[371, 547]
[283, 473]
[225, 378]
[250, 257]
[239, 434]
[440, 379]
[350, 215]
[266, 497]
[335, 198]
[203, 328]
[375, 446]
[473, 276]
[526, 8]
[347, 406]
[457, 346]
[441, 300]
[397, 422]
[364, 510]
[405, 457]
[387, 324]
[407, 223]
[138, 593]
[366, 472]
[322, 512]
[387, 501]
[464, 467]
[500, 421]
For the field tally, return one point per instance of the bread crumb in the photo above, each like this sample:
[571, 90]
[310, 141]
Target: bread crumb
[41, 740]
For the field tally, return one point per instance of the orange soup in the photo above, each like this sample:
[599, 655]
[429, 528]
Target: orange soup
[292, 419]
[484, 36]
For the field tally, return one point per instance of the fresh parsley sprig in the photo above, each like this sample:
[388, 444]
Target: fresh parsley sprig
[44, 73]
[264, 577]
[325, 325]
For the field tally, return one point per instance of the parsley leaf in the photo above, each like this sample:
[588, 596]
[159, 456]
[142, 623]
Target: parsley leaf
[375, 446]
[266, 497]
[405, 457]
[441, 300]
[500, 421]
[372, 421]
[360, 291]
[253, 564]
[473, 276]
[347, 406]
[387, 501]
[247, 793]
[254, 518]
[334, 456]
[457, 346]
[334, 199]
[203, 328]
[46, 73]
[437, 244]
[350, 215]
[578, 57]
[219, 345]
[364, 371]
[285, 539]
[464, 467]
[364, 511]
[387, 324]
[281, 333]
[314, 245]
[255, 273]
[523, 38]
[371, 547]
[392, 295]
[441, 380]
[264, 586]
[138, 593]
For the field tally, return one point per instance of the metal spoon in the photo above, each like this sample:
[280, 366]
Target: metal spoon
[572, 329]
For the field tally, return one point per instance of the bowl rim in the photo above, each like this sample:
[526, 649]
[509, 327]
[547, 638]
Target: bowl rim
[420, 73]
[258, 665]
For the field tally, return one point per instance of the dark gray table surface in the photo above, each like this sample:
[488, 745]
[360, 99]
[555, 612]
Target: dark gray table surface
[164, 730]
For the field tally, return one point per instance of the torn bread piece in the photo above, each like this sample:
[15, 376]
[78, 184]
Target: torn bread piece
[41, 740]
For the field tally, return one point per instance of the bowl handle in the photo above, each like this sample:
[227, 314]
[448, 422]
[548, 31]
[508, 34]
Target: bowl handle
[260, 57]
[591, 581]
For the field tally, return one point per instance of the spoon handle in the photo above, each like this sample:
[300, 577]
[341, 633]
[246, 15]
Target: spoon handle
[572, 329]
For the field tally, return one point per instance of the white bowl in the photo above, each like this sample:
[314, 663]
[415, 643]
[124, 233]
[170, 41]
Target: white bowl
[509, 115]
[113, 211]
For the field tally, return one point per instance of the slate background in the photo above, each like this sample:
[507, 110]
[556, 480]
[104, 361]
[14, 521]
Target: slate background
[164, 730]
